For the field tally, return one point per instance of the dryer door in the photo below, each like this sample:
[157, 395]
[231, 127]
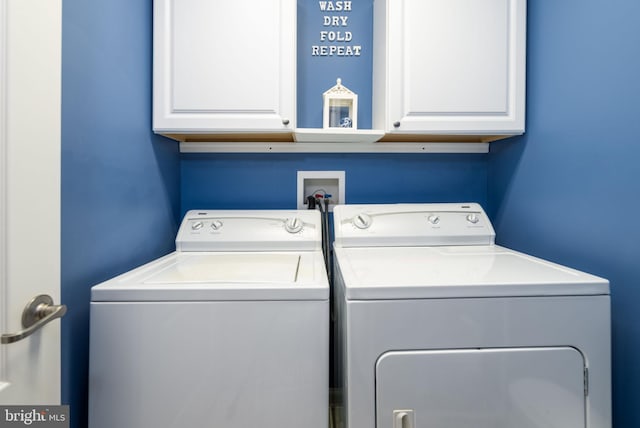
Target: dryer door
[481, 388]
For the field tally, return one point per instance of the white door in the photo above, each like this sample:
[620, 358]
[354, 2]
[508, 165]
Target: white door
[30, 69]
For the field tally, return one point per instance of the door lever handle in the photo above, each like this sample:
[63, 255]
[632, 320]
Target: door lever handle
[38, 312]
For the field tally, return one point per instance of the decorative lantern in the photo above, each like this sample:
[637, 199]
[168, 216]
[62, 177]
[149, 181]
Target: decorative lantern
[340, 107]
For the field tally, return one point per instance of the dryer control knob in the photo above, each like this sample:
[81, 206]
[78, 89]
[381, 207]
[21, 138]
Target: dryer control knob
[197, 225]
[216, 225]
[362, 221]
[293, 225]
[473, 218]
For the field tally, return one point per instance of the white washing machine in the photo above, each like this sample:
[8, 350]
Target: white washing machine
[231, 330]
[440, 328]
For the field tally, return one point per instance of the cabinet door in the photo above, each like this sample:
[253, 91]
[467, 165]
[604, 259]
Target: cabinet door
[224, 66]
[450, 66]
[481, 388]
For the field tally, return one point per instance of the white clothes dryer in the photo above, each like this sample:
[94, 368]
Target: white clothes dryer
[438, 327]
[230, 330]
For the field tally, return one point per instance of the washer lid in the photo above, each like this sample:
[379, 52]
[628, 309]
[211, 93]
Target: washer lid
[457, 272]
[213, 276]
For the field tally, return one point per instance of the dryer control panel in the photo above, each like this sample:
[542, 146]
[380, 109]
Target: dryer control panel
[412, 225]
[256, 230]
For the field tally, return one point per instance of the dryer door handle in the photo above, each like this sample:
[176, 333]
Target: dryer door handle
[403, 419]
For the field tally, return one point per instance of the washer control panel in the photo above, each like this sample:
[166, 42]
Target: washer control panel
[242, 230]
[412, 225]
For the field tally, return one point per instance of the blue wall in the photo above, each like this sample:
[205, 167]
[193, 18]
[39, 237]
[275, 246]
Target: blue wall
[120, 183]
[569, 190]
[269, 180]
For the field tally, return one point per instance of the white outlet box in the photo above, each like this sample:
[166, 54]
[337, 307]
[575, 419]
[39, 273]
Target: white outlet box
[311, 183]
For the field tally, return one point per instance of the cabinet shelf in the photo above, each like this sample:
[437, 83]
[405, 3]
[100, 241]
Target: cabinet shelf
[337, 135]
[187, 147]
[377, 147]
[362, 137]
[333, 141]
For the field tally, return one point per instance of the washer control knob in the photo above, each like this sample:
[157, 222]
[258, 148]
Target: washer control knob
[434, 219]
[197, 225]
[216, 224]
[293, 225]
[362, 221]
[473, 218]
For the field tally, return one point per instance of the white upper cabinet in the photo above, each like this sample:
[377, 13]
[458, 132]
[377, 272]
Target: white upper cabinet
[449, 67]
[224, 67]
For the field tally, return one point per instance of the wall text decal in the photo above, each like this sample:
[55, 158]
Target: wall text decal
[335, 38]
